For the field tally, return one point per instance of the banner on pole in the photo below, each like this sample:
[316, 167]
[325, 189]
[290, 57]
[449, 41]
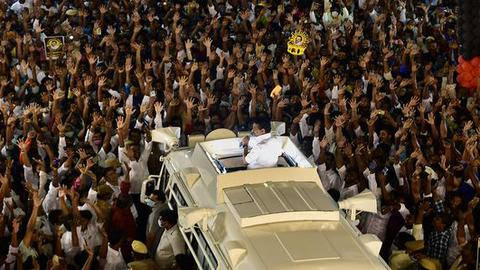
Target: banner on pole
[54, 47]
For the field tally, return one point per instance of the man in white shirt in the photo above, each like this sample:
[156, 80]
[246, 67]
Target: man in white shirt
[171, 245]
[137, 161]
[19, 5]
[261, 151]
[113, 259]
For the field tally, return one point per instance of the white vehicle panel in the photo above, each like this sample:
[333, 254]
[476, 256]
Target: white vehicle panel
[289, 236]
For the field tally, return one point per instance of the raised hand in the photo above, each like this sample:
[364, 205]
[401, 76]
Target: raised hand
[202, 107]
[120, 122]
[305, 102]
[372, 120]
[113, 102]
[244, 15]
[16, 225]
[37, 200]
[326, 110]
[92, 59]
[414, 102]
[102, 81]
[87, 81]
[431, 119]
[83, 155]
[189, 103]
[178, 29]
[158, 107]
[103, 9]
[323, 143]
[182, 81]
[211, 99]
[188, 44]
[144, 108]
[174, 102]
[22, 145]
[194, 67]
[207, 42]
[324, 61]
[353, 104]
[253, 91]
[129, 110]
[468, 126]
[340, 121]
[38, 28]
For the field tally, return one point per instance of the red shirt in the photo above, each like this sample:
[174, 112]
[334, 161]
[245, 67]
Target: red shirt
[123, 221]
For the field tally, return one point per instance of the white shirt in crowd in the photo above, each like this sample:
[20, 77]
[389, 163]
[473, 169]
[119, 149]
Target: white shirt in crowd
[17, 7]
[139, 168]
[114, 260]
[264, 152]
[91, 235]
[330, 178]
[171, 244]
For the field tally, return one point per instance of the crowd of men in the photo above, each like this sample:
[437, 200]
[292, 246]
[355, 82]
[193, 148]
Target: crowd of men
[373, 101]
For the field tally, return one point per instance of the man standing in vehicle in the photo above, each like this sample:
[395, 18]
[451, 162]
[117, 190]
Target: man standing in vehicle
[261, 151]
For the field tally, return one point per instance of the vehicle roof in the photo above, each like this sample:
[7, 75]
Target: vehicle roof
[273, 242]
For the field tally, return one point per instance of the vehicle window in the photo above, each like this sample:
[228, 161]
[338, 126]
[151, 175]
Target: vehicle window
[164, 179]
[180, 198]
[209, 254]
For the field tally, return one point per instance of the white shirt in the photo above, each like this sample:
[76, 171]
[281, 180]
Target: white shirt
[114, 260]
[264, 153]
[139, 168]
[34, 178]
[18, 8]
[372, 183]
[305, 129]
[171, 244]
[376, 224]
[331, 179]
[91, 235]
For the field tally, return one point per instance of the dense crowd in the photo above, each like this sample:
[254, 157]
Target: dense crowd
[373, 101]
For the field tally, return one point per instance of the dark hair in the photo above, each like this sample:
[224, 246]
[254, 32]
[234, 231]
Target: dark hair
[402, 238]
[160, 195]
[169, 216]
[263, 123]
[86, 214]
[54, 216]
[115, 237]
[123, 201]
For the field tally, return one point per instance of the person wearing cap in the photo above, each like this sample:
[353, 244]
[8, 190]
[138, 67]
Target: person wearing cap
[429, 264]
[102, 204]
[141, 261]
[406, 247]
[466, 260]
[111, 177]
[171, 244]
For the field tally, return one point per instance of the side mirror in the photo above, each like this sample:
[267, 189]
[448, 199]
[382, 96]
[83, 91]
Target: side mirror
[168, 136]
[364, 201]
[188, 217]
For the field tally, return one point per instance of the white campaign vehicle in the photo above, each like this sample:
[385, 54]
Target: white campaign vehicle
[273, 218]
